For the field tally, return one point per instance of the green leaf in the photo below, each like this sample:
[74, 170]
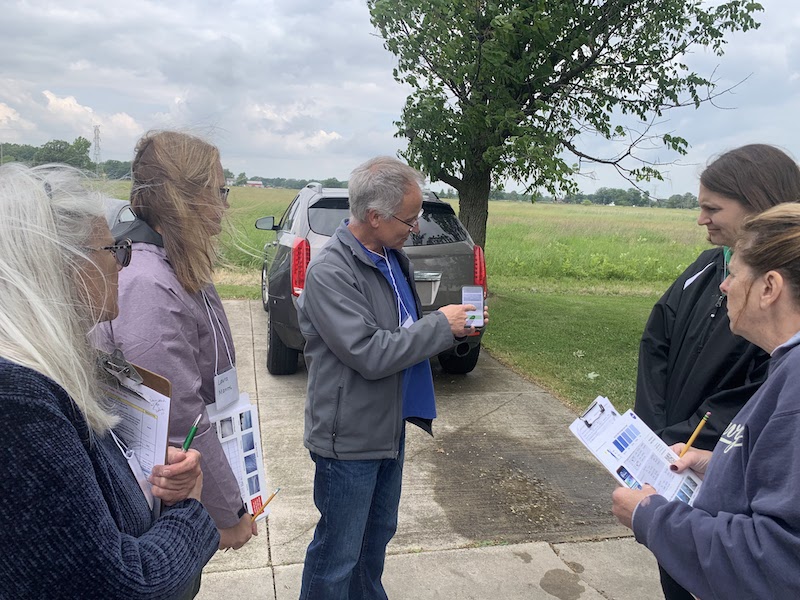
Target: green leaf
[503, 88]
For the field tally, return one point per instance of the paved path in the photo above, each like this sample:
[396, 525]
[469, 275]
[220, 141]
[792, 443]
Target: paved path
[502, 503]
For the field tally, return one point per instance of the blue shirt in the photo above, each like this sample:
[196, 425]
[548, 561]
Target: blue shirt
[418, 397]
[101, 540]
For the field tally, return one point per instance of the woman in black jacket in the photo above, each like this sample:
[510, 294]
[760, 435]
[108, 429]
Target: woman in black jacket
[689, 361]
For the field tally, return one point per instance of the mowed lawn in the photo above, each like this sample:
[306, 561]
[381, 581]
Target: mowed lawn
[570, 287]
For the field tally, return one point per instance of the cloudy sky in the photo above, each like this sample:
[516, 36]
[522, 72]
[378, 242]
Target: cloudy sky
[304, 88]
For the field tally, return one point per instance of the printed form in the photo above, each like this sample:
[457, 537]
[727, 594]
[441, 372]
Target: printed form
[238, 430]
[631, 452]
[144, 424]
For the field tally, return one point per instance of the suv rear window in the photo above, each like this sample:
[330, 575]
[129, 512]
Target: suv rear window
[438, 225]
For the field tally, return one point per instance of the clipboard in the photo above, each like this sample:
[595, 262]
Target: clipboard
[631, 451]
[593, 413]
[115, 365]
[141, 399]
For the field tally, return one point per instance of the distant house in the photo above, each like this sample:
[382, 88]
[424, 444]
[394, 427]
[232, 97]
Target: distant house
[255, 183]
[230, 181]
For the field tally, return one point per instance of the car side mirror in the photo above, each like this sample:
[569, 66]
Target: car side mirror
[266, 223]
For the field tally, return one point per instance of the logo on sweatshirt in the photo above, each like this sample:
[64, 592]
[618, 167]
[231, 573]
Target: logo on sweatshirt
[732, 437]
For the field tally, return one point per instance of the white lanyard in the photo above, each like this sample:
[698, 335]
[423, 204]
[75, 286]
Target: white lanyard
[136, 468]
[400, 303]
[226, 384]
[209, 310]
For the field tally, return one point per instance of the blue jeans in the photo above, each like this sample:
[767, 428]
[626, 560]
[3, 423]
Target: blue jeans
[357, 501]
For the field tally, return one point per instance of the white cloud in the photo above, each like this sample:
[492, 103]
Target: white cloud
[67, 109]
[13, 128]
[302, 88]
[282, 114]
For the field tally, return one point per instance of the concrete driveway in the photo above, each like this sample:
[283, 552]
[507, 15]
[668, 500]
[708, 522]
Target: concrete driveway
[502, 503]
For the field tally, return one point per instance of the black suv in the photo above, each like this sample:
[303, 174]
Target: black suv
[443, 255]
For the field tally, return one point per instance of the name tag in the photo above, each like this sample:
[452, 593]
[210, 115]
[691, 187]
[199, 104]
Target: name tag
[226, 388]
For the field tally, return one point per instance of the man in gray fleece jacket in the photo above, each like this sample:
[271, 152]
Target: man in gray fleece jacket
[367, 350]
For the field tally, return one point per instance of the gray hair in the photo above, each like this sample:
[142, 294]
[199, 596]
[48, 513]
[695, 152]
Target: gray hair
[47, 217]
[380, 184]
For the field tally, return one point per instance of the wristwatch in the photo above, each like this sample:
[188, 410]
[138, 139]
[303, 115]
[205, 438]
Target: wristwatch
[242, 512]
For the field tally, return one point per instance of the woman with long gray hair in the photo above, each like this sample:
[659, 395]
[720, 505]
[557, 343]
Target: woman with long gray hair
[74, 522]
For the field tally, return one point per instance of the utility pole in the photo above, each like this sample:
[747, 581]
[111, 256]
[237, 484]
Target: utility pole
[97, 150]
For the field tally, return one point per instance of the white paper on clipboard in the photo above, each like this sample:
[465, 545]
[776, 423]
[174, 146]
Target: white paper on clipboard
[144, 421]
[631, 452]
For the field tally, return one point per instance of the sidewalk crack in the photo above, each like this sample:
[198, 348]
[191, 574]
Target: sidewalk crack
[258, 404]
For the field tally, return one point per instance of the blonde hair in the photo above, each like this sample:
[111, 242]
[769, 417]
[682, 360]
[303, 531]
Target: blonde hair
[47, 219]
[770, 241]
[174, 178]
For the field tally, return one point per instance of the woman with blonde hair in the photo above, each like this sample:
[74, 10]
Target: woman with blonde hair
[171, 318]
[741, 538]
[74, 522]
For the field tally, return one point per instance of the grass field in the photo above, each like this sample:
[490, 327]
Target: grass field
[570, 287]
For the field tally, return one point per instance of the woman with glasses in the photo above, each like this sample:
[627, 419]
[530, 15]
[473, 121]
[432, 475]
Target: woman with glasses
[171, 319]
[74, 522]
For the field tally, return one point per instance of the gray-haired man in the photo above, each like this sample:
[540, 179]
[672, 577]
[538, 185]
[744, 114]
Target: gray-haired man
[367, 350]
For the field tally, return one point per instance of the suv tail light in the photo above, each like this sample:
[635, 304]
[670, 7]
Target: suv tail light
[301, 256]
[479, 268]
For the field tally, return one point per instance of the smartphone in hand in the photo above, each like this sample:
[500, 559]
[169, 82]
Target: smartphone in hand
[473, 294]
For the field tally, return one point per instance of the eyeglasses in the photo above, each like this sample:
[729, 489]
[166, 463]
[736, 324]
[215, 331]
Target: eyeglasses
[223, 193]
[121, 250]
[413, 223]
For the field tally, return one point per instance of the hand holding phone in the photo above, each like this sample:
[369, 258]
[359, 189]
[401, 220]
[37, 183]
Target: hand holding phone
[473, 294]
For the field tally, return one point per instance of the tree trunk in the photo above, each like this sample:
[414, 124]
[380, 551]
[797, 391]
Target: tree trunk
[473, 205]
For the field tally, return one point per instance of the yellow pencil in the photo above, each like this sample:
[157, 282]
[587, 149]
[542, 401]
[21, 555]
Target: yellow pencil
[697, 430]
[263, 506]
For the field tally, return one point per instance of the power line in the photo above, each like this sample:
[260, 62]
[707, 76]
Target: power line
[97, 150]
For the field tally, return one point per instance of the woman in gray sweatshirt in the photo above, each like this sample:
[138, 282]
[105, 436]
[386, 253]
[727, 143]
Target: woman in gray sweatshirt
[741, 539]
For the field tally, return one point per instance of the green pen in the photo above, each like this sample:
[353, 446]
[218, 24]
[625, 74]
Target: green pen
[188, 441]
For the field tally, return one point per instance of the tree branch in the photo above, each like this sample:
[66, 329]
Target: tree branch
[453, 182]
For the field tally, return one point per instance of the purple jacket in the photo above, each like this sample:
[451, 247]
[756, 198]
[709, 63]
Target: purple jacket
[165, 329]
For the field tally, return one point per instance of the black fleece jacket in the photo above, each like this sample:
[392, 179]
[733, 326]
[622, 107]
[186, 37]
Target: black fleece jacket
[690, 362]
